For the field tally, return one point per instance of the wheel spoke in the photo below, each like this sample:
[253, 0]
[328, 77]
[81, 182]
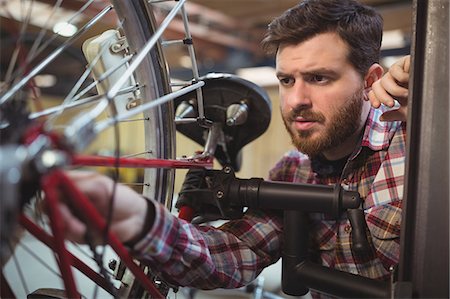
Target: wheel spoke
[16, 87]
[19, 269]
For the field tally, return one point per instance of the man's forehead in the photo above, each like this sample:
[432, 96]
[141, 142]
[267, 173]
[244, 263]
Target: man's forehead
[324, 51]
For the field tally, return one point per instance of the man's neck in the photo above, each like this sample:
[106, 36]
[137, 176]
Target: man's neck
[344, 149]
[348, 146]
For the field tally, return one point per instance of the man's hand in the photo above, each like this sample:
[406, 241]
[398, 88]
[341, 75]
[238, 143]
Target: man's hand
[129, 209]
[392, 86]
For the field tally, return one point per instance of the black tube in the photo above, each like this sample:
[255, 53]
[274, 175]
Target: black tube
[288, 196]
[295, 251]
[360, 243]
[339, 283]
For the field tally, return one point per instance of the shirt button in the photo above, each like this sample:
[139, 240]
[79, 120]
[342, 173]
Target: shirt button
[348, 228]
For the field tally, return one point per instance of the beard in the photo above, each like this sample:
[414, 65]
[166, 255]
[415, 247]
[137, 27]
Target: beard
[343, 124]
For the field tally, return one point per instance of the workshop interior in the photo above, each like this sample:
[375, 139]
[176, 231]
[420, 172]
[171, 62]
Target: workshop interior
[226, 36]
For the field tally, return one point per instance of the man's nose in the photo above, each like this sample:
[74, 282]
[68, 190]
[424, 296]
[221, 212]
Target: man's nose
[299, 96]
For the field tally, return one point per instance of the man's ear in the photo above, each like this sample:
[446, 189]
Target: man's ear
[373, 74]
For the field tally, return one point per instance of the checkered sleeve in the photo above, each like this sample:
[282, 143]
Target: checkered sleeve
[205, 257]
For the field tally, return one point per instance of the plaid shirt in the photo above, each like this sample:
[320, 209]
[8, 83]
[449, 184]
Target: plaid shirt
[233, 255]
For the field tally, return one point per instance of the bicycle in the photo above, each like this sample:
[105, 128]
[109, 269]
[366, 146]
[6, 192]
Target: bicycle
[142, 94]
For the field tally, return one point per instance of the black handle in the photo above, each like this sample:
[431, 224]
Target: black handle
[360, 242]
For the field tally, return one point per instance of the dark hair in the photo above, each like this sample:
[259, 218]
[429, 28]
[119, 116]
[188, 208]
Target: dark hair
[360, 26]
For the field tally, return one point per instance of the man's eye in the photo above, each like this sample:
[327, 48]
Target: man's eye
[286, 81]
[318, 79]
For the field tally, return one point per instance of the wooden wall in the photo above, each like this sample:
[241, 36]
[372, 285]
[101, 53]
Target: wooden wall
[260, 155]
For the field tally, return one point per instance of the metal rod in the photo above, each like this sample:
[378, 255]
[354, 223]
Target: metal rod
[145, 50]
[168, 97]
[78, 103]
[180, 121]
[70, 97]
[190, 46]
[103, 77]
[139, 162]
[424, 255]
[54, 36]
[51, 39]
[52, 56]
[172, 42]
[34, 48]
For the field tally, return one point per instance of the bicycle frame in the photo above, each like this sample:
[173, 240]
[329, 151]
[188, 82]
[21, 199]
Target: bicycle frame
[56, 181]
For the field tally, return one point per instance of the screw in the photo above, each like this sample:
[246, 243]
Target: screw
[112, 264]
[132, 103]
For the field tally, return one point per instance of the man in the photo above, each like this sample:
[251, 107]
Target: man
[326, 61]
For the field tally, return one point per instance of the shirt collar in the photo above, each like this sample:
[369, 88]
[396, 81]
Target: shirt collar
[377, 133]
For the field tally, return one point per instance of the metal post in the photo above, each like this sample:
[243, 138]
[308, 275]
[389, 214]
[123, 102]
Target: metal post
[424, 259]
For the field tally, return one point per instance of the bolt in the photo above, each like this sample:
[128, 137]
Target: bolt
[50, 159]
[132, 103]
[112, 264]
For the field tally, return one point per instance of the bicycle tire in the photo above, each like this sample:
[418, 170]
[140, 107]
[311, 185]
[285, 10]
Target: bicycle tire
[158, 182]
[140, 24]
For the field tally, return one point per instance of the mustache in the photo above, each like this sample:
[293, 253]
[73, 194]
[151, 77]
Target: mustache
[305, 113]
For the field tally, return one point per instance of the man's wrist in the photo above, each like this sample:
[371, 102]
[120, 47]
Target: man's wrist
[148, 223]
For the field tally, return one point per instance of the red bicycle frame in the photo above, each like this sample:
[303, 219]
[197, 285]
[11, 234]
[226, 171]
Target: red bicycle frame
[56, 183]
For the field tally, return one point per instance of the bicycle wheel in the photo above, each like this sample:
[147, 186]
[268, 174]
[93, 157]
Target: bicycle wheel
[160, 127]
[150, 81]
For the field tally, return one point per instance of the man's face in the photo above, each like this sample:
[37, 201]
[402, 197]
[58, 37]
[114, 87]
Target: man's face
[321, 94]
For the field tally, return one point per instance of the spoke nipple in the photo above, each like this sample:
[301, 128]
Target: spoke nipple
[112, 264]
[132, 103]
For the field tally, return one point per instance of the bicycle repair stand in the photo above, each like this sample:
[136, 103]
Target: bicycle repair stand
[231, 195]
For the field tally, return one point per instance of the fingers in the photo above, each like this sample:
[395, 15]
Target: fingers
[400, 70]
[74, 229]
[392, 88]
[129, 208]
[386, 91]
[96, 187]
[398, 73]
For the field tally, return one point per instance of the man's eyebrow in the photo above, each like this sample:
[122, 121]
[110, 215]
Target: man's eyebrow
[282, 74]
[320, 71]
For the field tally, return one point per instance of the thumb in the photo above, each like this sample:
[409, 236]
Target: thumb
[74, 229]
[407, 64]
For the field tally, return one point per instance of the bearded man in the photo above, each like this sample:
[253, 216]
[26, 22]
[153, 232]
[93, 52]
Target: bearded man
[327, 54]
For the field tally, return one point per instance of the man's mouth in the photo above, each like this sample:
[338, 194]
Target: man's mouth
[302, 123]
